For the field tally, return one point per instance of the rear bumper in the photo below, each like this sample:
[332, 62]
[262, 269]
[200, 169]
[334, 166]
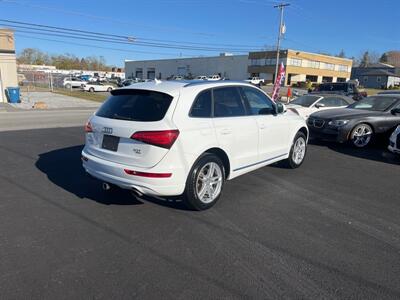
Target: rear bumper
[114, 173]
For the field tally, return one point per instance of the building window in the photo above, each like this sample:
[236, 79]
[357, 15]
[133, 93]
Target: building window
[341, 79]
[312, 78]
[256, 62]
[342, 68]
[327, 66]
[313, 64]
[378, 79]
[295, 62]
[365, 78]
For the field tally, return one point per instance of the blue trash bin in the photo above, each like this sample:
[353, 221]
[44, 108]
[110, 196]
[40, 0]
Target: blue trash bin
[13, 94]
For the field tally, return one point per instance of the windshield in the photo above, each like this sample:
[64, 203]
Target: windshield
[374, 103]
[305, 101]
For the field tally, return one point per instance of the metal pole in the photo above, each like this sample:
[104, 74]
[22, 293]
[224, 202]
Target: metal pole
[278, 44]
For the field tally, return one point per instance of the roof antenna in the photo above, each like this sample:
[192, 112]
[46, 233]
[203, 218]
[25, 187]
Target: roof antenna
[157, 81]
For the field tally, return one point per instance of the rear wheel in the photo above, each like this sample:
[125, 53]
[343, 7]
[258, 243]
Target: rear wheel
[205, 182]
[91, 90]
[361, 135]
[109, 89]
[297, 151]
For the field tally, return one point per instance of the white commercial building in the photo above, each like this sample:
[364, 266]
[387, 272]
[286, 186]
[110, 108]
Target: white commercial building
[232, 67]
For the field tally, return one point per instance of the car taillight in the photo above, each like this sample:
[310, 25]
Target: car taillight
[164, 138]
[149, 175]
[88, 127]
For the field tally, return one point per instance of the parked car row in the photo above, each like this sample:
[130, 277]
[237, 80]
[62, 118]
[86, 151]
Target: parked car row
[359, 123]
[90, 86]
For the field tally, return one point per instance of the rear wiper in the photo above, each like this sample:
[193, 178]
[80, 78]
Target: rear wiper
[117, 116]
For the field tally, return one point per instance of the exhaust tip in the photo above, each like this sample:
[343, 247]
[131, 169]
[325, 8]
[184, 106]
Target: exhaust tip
[135, 192]
[105, 186]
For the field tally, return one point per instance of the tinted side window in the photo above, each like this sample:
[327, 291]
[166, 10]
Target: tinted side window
[228, 103]
[202, 105]
[135, 105]
[258, 102]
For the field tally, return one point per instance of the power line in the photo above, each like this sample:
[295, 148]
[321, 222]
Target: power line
[121, 36]
[98, 47]
[98, 36]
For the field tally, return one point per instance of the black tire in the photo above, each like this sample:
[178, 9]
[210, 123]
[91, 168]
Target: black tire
[91, 90]
[290, 161]
[190, 195]
[358, 143]
[67, 86]
[109, 89]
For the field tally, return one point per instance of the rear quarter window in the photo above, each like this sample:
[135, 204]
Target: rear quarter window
[135, 105]
[202, 105]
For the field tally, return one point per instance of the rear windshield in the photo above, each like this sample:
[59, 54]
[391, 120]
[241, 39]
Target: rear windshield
[135, 105]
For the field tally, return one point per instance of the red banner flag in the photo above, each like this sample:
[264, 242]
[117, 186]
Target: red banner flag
[278, 82]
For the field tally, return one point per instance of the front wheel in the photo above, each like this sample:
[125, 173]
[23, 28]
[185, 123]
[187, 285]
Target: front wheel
[205, 182]
[361, 135]
[109, 89]
[91, 90]
[297, 151]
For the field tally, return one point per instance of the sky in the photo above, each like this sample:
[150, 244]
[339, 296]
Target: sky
[311, 25]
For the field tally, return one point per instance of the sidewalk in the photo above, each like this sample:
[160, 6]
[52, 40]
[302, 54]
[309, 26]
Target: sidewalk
[52, 101]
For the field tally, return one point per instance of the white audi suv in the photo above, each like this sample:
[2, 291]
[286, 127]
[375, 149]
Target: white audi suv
[186, 138]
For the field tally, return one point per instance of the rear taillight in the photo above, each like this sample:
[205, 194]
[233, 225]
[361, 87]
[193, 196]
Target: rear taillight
[88, 127]
[149, 175]
[164, 138]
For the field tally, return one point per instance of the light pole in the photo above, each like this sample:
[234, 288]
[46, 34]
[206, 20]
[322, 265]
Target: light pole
[280, 33]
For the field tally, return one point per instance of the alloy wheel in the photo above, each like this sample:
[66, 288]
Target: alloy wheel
[299, 150]
[209, 182]
[361, 135]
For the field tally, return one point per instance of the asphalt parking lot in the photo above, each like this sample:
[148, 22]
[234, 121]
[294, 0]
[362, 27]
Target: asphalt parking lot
[330, 229]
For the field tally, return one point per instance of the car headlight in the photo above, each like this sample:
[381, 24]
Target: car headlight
[338, 123]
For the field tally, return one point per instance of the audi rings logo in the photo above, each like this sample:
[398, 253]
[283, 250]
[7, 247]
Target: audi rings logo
[107, 130]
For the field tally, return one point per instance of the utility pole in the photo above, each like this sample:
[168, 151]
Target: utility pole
[281, 6]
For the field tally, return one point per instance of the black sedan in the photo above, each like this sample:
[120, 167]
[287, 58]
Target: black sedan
[358, 123]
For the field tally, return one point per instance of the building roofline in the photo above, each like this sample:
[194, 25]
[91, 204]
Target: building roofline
[312, 53]
[183, 58]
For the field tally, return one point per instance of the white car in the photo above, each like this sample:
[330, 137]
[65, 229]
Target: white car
[255, 80]
[73, 82]
[214, 78]
[177, 138]
[201, 77]
[308, 104]
[394, 142]
[97, 87]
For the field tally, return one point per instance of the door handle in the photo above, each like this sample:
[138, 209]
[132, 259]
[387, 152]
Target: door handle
[226, 131]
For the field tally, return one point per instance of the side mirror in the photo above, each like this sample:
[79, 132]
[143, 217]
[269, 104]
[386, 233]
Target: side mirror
[280, 108]
[395, 111]
[319, 105]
